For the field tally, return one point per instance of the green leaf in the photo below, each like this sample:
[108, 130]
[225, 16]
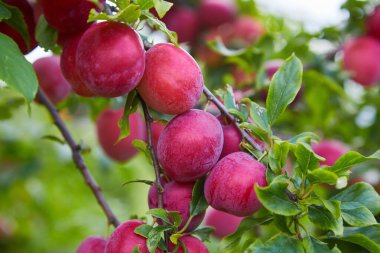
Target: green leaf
[161, 26]
[282, 223]
[218, 46]
[160, 213]
[284, 87]
[333, 206]
[278, 156]
[227, 96]
[121, 4]
[351, 158]
[361, 193]
[243, 236]
[162, 7]
[130, 14]
[155, 236]
[5, 13]
[143, 230]
[136, 249]
[324, 219]
[46, 35]
[357, 215]
[130, 107]
[16, 71]
[313, 245]
[258, 114]
[142, 146]
[176, 218]
[145, 4]
[305, 137]
[280, 243]
[306, 158]
[320, 176]
[367, 237]
[17, 22]
[198, 201]
[275, 199]
[203, 233]
[174, 238]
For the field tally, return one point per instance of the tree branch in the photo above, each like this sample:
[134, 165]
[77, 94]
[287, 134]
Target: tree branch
[211, 97]
[78, 159]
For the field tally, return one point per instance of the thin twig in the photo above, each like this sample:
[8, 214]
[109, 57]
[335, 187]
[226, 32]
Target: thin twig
[78, 159]
[224, 110]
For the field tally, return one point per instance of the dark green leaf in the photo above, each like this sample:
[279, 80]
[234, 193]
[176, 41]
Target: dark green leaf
[281, 243]
[278, 156]
[198, 201]
[305, 137]
[54, 138]
[46, 35]
[333, 206]
[258, 114]
[130, 107]
[350, 159]
[160, 213]
[136, 249]
[143, 230]
[313, 245]
[4, 12]
[367, 237]
[362, 193]
[306, 158]
[284, 87]
[155, 236]
[15, 70]
[275, 199]
[203, 233]
[282, 223]
[324, 219]
[176, 218]
[320, 176]
[357, 215]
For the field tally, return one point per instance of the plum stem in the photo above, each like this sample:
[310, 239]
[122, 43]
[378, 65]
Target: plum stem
[211, 97]
[78, 159]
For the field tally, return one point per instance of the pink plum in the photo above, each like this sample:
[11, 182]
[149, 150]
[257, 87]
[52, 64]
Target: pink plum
[93, 244]
[224, 223]
[373, 23]
[192, 244]
[331, 150]
[213, 13]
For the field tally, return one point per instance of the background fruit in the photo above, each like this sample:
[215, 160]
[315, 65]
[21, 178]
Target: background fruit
[93, 244]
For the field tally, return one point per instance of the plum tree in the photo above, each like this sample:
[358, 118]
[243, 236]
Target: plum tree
[110, 59]
[360, 58]
[172, 82]
[213, 13]
[224, 223]
[373, 23]
[176, 197]
[192, 244]
[331, 150]
[229, 186]
[184, 21]
[69, 67]
[92, 244]
[190, 145]
[27, 12]
[50, 78]
[124, 239]
[108, 132]
[68, 15]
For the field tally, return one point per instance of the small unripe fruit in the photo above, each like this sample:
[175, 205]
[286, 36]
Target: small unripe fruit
[176, 197]
[50, 78]
[190, 145]
[124, 239]
[183, 21]
[331, 150]
[192, 244]
[172, 82]
[230, 185]
[108, 132]
[213, 13]
[361, 59]
[93, 244]
[70, 70]
[110, 59]
[373, 24]
[68, 15]
[224, 223]
[27, 12]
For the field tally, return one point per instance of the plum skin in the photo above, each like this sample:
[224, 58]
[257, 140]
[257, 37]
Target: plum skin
[110, 59]
[213, 13]
[176, 197]
[124, 239]
[50, 78]
[92, 244]
[331, 150]
[68, 15]
[108, 132]
[373, 23]
[69, 67]
[230, 185]
[190, 145]
[172, 82]
[224, 223]
[27, 11]
[192, 244]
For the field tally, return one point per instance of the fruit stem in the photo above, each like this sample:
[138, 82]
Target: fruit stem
[211, 97]
[77, 158]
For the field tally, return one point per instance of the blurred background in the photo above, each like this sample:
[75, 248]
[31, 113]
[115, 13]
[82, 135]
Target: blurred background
[45, 205]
